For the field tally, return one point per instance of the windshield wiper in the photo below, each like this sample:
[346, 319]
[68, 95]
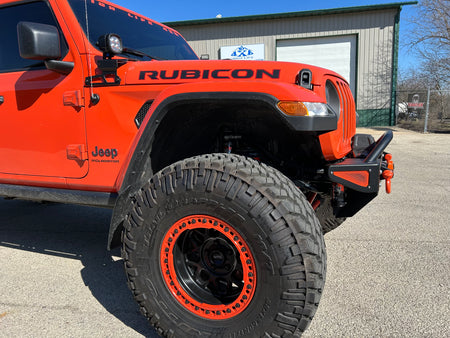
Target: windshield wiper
[140, 54]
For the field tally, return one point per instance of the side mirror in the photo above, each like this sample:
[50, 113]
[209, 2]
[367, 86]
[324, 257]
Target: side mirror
[38, 41]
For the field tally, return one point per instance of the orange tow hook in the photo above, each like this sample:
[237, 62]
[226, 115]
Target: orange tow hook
[388, 173]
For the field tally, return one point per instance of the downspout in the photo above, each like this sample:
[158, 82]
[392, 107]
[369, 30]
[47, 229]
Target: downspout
[395, 49]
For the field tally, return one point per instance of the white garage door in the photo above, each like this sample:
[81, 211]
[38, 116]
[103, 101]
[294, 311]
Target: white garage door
[337, 53]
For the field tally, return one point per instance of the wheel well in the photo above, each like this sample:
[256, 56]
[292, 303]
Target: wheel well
[251, 128]
[200, 127]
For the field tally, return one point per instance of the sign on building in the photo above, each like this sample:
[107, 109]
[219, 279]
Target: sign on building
[243, 52]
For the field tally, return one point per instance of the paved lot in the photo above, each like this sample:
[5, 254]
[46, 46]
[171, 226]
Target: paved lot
[388, 267]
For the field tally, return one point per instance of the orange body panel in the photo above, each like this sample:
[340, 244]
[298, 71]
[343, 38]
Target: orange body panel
[46, 115]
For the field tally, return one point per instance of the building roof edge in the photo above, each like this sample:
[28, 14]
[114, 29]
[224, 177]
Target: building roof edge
[342, 10]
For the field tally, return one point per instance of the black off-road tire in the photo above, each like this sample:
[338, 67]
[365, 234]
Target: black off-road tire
[259, 221]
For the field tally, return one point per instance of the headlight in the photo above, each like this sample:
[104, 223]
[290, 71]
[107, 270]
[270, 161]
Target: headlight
[305, 108]
[317, 109]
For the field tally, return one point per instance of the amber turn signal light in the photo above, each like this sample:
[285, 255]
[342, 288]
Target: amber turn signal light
[293, 108]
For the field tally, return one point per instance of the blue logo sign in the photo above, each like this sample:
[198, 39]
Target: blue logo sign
[242, 52]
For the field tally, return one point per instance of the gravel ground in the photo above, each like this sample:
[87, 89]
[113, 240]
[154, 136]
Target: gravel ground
[388, 267]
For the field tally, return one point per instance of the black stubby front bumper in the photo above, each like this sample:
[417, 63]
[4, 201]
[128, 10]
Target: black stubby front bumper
[361, 176]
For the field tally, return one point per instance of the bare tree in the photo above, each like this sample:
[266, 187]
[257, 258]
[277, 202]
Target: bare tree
[430, 38]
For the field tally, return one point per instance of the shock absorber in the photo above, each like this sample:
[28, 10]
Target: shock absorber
[229, 140]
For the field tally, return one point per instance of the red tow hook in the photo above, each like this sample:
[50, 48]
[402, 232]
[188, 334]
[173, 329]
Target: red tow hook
[388, 171]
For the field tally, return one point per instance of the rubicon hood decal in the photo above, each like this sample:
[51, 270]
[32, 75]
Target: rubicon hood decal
[195, 74]
[161, 72]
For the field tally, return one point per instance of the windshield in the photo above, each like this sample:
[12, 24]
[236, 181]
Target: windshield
[137, 32]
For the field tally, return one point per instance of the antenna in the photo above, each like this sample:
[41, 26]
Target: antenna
[94, 97]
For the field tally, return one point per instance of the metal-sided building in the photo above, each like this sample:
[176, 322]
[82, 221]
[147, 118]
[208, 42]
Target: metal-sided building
[360, 43]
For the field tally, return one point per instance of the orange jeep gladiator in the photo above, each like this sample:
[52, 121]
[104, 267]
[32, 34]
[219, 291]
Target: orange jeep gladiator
[223, 175]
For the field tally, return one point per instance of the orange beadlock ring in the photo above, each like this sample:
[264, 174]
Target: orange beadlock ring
[244, 261]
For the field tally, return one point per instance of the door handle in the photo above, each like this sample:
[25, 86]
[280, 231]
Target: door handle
[2, 99]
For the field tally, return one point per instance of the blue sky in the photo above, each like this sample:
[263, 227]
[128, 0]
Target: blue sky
[180, 10]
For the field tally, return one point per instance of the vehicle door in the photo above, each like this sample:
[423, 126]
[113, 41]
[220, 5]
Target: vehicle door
[42, 128]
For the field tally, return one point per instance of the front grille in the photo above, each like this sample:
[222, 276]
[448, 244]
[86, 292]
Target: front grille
[348, 109]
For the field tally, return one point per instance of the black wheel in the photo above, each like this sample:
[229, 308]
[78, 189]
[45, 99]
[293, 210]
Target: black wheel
[220, 245]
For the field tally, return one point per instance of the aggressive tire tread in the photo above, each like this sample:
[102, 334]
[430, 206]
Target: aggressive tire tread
[268, 195]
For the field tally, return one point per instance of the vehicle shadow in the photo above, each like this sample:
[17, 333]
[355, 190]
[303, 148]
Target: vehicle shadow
[384, 128]
[80, 233]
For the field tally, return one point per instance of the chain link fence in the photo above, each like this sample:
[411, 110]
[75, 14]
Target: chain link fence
[424, 110]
